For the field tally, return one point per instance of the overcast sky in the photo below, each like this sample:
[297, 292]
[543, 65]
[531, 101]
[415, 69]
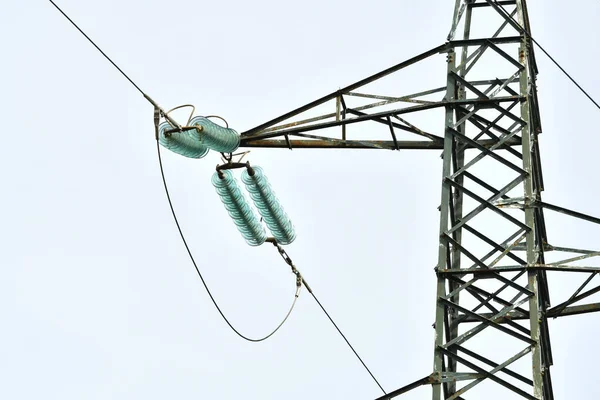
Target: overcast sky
[98, 299]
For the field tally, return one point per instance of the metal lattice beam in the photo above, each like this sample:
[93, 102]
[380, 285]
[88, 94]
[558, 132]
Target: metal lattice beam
[492, 274]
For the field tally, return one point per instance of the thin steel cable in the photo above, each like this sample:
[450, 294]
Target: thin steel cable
[349, 345]
[98, 48]
[185, 242]
[289, 261]
[298, 288]
[507, 15]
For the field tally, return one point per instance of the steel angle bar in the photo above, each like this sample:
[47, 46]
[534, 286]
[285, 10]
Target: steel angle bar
[484, 185]
[578, 258]
[502, 3]
[411, 129]
[497, 368]
[503, 14]
[570, 301]
[406, 110]
[493, 364]
[459, 376]
[506, 87]
[482, 271]
[508, 251]
[496, 81]
[514, 183]
[329, 143]
[479, 121]
[469, 111]
[337, 113]
[513, 268]
[492, 273]
[566, 211]
[478, 53]
[423, 133]
[484, 41]
[486, 303]
[485, 152]
[349, 88]
[485, 322]
[485, 126]
[491, 253]
[574, 299]
[504, 251]
[508, 136]
[455, 277]
[488, 375]
[549, 247]
[505, 84]
[315, 137]
[575, 310]
[518, 202]
[490, 296]
[423, 381]
[463, 250]
[458, 13]
[301, 122]
[513, 316]
[565, 268]
[484, 204]
[506, 56]
[483, 95]
[391, 125]
[397, 99]
[510, 282]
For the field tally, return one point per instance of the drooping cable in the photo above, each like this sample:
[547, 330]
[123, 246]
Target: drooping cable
[298, 287]
[299, 279]
[526, 33]
[159, 111]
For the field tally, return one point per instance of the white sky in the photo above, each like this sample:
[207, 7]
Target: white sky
[98, 299]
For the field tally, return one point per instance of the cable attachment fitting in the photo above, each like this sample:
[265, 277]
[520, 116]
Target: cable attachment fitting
[157, 114]
[282, 253]
[299, 279]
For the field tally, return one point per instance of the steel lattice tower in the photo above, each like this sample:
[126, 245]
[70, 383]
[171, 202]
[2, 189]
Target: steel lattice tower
[492, 272]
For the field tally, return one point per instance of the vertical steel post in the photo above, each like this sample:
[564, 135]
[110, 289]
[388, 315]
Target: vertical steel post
[440, 316]
[530, 198]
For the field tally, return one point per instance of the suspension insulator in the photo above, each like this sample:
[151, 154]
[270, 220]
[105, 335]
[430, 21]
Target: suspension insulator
[181, 143]
[268, 205]
[214, 136]
[239, 210]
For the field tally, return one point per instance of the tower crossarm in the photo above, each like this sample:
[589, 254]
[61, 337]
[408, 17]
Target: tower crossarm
[494, 258]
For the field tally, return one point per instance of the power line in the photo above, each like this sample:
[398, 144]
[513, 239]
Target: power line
[160, 111]
[162, 173]
[166, 115]
[524, 31]
[98, 48]
[285, 257]
[169, 197]
[289, 261]
[349, 345]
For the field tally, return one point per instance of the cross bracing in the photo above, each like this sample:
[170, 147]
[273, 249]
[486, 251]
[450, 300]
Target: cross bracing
[493, 260]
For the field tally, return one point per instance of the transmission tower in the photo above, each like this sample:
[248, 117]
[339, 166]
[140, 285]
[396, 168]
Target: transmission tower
[492, 270]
